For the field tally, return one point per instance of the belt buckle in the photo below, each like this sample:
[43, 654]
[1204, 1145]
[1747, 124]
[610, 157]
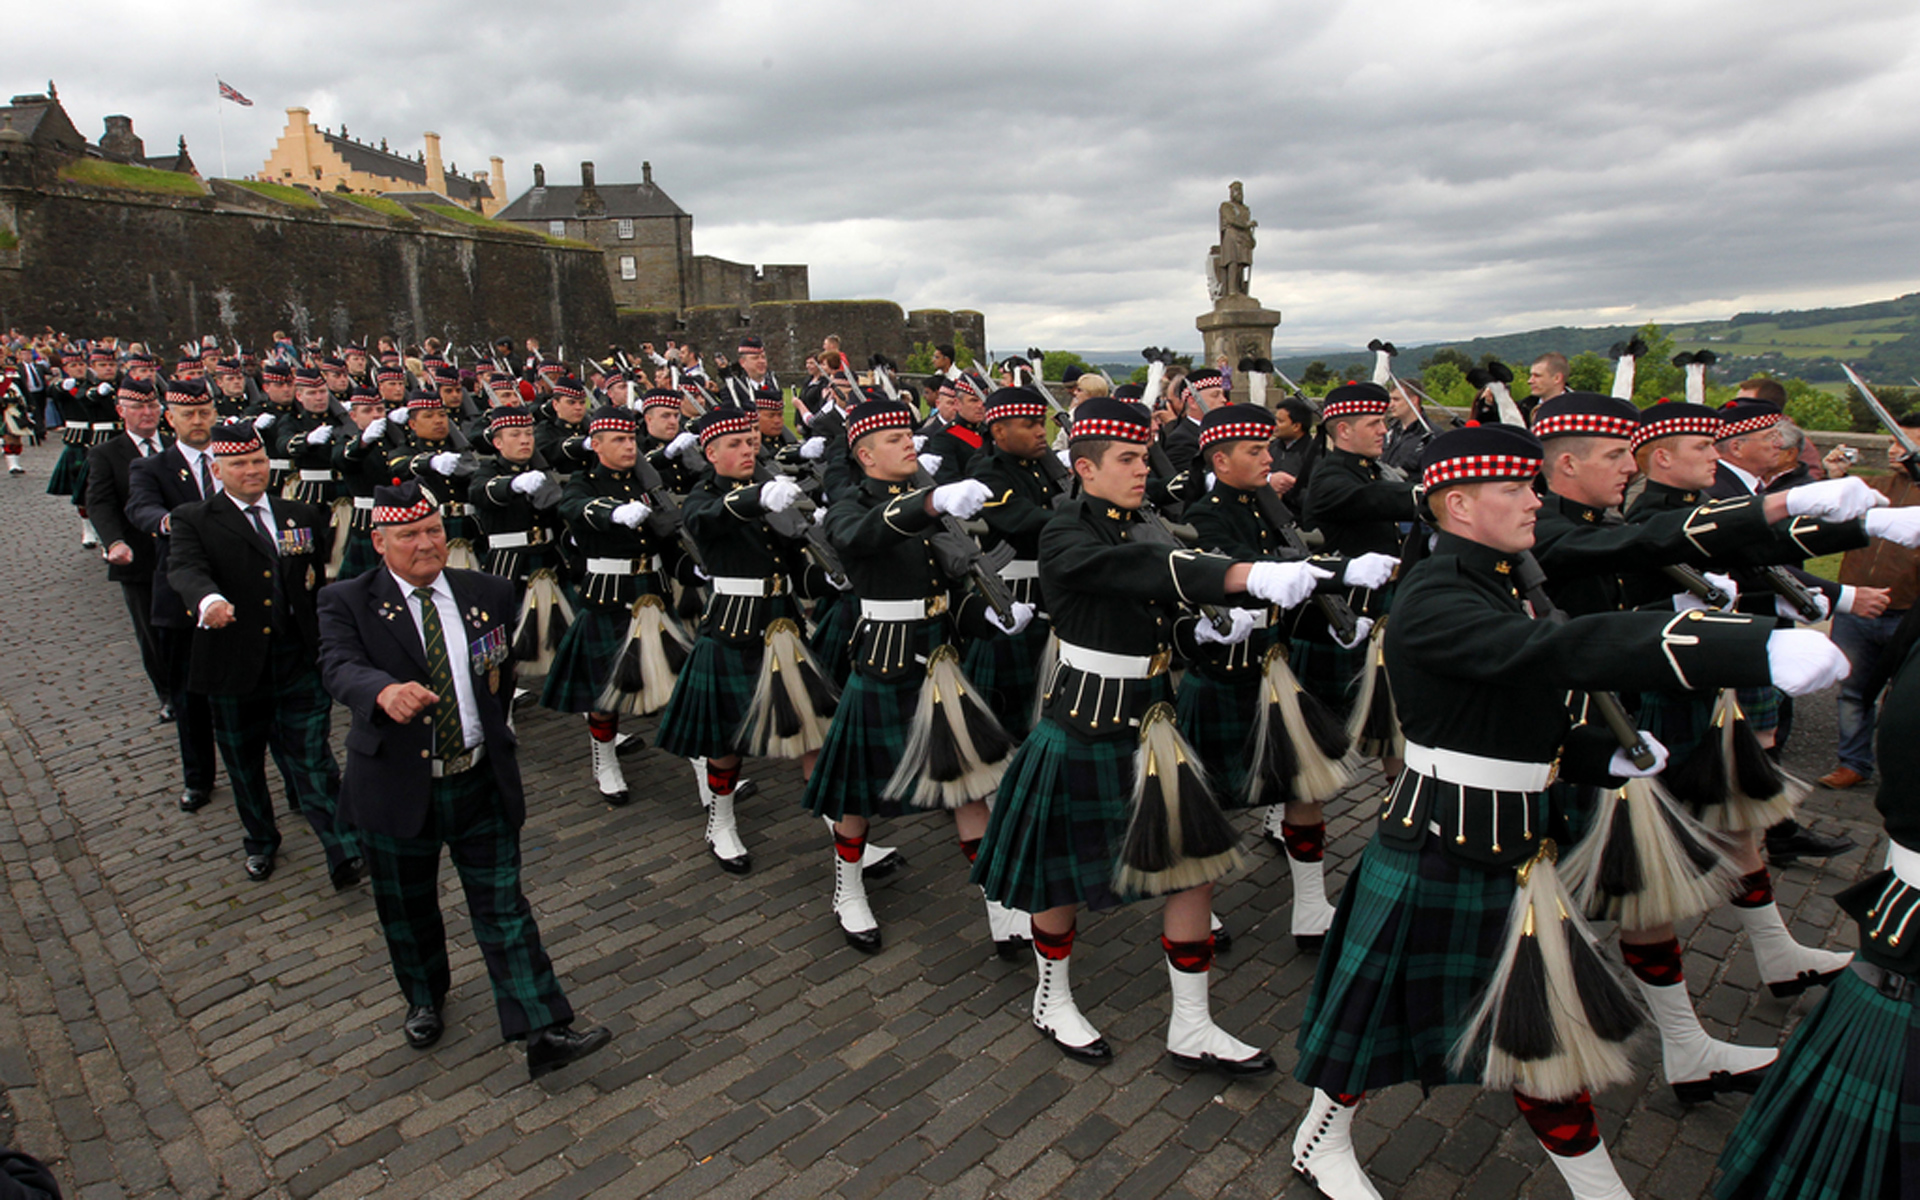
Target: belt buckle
[1158, 664]
[937, 605]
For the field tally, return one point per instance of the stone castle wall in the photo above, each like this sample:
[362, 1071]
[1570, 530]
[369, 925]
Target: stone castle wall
[794, 329]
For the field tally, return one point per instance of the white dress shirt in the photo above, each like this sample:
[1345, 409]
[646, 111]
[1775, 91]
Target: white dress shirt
[459, 659]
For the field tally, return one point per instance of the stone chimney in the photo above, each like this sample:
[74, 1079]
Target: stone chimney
[589, 204]
[539, 178]
[436, 174]
[299, 140]
[497, 181]
[120, 141]
[646, 175]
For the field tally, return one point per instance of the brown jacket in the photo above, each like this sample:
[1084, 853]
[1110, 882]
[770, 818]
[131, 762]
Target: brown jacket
[1882, 563]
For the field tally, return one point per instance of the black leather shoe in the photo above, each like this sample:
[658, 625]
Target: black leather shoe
[745, 788]
[732, 866]
[557, 1045]
[259, 867]
[348, 873]
[866, 941]
[885, 867]
[1259, 1064]
[1222, 940]
[616, 799]
[629, 744]
[423, 1026]
[1096, 1051]
[195, 799]
[1805, 843]
[166, 714]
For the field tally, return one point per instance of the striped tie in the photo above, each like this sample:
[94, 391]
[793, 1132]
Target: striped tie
[449, 742]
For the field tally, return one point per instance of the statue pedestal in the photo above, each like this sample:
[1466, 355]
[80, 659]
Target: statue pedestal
[1237, 328]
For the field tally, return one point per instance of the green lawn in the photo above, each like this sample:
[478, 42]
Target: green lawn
[98, 173]
[467, 216]
[379, 204]
[1814, 341]
[283, 192]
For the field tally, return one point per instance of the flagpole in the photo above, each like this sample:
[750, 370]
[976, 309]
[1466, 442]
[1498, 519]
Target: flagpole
[220, 120]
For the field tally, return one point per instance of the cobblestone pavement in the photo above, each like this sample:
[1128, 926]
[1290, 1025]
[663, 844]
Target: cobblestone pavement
[169, 1028]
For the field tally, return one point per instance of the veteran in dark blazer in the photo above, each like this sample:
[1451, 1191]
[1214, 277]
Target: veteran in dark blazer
[419, 654]
[129, 550]
[248, 568]
[179, 475]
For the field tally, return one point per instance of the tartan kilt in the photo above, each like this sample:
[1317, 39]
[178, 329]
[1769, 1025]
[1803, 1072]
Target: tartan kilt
[1830, 1121]
[1006, 669]
[1329, 672]
[835, 618]
[868, 737]
[1762, 706]
[69, 476]
[1217, 720]
[1416, 938]
[585, 659]
[358, 558]
[1681, 720]
[710, 699]
[1058, 823]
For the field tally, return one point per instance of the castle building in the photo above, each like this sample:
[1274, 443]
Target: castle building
[647, 240]
[310, 156]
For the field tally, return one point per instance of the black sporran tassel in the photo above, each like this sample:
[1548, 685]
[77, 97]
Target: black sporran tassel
[1524, 1027]
[786, 719]
[1700, 781]
[1204, 830]
[627, 676]
[943, 748]
[675, 652]
[1620, 861]
[1272, 776]
[1754, 774]
[1610, 1012]
[690, 605]
[1149, 847]
[1327, 731]
[556, 627]
[1698, 852]
[526, 639]
[824, 697]
[990, 742]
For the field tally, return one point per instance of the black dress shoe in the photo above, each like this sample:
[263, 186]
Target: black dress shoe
[885, 867]
[1805, 843]
[259, 867]
[628, 744]
[348, 873]
[732, 866]
[423, 1026]
[1259, 1064]
[195, 799]
[1222, 940]
[866, 941]
[557, 1045]
[1096, 1051]
[166, 714]
[616, 799]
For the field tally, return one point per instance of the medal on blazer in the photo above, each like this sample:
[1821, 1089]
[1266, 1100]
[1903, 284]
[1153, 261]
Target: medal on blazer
[296, 541]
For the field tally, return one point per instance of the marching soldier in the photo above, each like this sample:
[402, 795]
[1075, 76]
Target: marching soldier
[606, 513]
[419, 654]
[129, 549]
[560, 431]
[229, 389]
[1062, 836]
[907, 692]
[1455, 955]
[303, 438]
[360, 462]
[946, 454]
[428, 449]
[86, 418]
[301, 381]
[523, 534]
[248, 567]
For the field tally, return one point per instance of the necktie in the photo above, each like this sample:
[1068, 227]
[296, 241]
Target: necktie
[448, 739]
[206, 479]
[259, 515]
[146, 447]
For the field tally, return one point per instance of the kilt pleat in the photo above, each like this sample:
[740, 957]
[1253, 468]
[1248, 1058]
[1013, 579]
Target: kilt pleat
[710, 700]
[358, 558]
[1415, 940]
[584, 661]
[1830, 1119]
[869, 735]
[69, 477]
[1330, 673]
[1216, 718]
[835, 618]
[1058, 822]
[1006, 669]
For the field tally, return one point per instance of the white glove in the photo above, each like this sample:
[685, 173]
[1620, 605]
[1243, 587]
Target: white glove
[678, 447]
[1362, 630]
[1065, 457]
[778, 494]
[842, 585]
[400, 416]
[1803, 661]
[1286, 584]
[1833, 499]
[962, 499]
[930, 463]
[105, 390]
[1898, 525]
[1622, 767]
[631, 514]
[318, 437]
[528, 482]
[375, 430]
[444, 462]
[1022, 613]
[1370, 570]
[1211, 480]
[813, 448]
[819, 517]
[1686, 601]
[919, 442]
[263, 421]
[700, 573]
[1787, 612]
[1206, 634]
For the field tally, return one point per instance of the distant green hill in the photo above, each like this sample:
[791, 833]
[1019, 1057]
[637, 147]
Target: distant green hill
[1882, 339]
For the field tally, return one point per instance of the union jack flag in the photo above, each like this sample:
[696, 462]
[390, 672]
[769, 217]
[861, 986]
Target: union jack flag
[228, 92]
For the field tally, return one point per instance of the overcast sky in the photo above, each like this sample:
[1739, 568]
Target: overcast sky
[1419, 170]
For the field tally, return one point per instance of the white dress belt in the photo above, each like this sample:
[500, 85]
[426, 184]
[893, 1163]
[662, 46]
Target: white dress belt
[280, 464]
[507, 541]
[1471, 770]
[894, 610]
[1099, 662]
[1905, 863]
[743, 585]
[619, 566]
[316, 476]
[363, 502]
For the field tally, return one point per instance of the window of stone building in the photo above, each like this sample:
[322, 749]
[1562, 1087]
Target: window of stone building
[626, 228]
[628, 269]
[557, 228]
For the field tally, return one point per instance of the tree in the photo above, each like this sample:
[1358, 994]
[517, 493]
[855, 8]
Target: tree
[1656, 376]
[1447, 383]
[1589, 372]
[1447, 354]
[1056, 363]
[1315, 378]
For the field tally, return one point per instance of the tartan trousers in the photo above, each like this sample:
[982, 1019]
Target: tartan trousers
[466, 818]
[290, 715]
